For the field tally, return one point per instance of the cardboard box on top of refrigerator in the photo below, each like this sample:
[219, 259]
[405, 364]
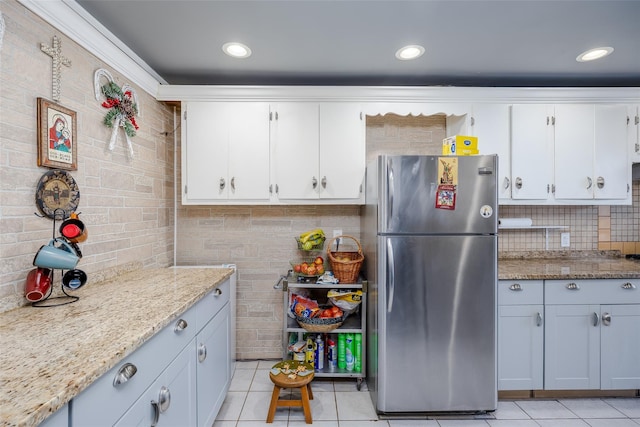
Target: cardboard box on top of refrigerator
[460, 145]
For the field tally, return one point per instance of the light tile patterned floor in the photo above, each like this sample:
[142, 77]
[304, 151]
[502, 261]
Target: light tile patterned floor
[339, 404]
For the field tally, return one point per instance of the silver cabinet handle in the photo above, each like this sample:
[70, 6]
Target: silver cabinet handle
[507, 183]
[217, 292]
[600, 182]
[233, 183]
[628, 286]
[518, 183]
[515, 287]
[181, 325]
[314, 182]
[124, 374]
[222, 183]
[606, 319]
[202, 352]
[573, 286]
[596, 319]
[156, 413]
[324, 182]
[164, 399]
[538, 319]
[589, 182]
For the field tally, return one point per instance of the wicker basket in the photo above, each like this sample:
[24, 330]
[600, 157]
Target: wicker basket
[319, 325]
[346, 271]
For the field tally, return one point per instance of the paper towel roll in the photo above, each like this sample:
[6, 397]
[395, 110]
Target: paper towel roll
[515, 222]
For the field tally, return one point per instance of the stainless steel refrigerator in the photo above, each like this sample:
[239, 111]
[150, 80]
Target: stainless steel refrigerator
[429, 233]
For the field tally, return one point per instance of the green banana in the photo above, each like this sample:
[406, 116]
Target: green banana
[311, 235]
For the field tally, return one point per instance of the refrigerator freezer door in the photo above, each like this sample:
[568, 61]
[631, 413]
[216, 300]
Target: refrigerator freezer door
[409, 186]
[437, 323]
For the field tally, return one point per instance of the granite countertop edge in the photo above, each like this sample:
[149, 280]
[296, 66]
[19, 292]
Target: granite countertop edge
[77, 347]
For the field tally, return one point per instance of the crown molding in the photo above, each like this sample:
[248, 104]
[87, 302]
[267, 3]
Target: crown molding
[76, 23]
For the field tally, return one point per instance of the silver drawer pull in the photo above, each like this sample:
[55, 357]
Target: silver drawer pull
[628, 285]
[202, 353]
[515, 287]
[606, 319]
[156, 413]
[596, 319]
[125, 373]
[573, 286]
[217, 292]
[538, 319]
[181, 325]
[164, 399]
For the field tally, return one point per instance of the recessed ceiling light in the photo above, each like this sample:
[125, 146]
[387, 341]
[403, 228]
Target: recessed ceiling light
[409, 52]
[236, 50]
[593, 54]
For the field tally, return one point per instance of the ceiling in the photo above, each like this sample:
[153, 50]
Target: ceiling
[332, 42]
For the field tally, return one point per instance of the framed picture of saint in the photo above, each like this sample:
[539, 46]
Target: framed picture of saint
[57, 142]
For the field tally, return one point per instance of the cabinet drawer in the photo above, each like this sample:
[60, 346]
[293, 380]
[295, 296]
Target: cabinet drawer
[212, 303]
[592, 291]
[106, 402]
[518, 292]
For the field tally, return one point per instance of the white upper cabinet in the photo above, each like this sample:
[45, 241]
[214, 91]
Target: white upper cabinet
[318, 151]
[634, 133]
[531, 151]
[591, 160]
[490, 123]
[225, 152]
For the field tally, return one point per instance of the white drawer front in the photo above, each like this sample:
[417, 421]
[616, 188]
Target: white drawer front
[212, 303]
[592, 291]
[518, 292]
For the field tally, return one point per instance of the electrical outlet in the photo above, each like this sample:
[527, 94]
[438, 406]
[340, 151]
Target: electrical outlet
[565, 240]
[337, 233]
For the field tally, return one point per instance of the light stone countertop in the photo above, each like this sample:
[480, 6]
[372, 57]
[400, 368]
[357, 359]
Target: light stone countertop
[49, 355]
[566, 265]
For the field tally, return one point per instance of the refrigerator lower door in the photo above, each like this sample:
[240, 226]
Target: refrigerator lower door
[437, 324]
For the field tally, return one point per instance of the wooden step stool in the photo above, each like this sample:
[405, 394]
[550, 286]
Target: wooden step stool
[291, 374]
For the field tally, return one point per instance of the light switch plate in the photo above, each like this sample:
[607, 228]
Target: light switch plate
[565, 240]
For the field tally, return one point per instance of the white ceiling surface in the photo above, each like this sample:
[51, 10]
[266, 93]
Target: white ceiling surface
[325, 42]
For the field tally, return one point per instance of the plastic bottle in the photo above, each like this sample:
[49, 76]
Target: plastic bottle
[358, 353]
[309, 352]
[332, 354]
[349, 352]
[319, 354]
[342, 347]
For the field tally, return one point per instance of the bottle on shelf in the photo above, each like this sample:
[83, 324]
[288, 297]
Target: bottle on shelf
[342, 347]
[309, 353]
[358, 353]
[332, 354]
[319, 353]
[349, 352]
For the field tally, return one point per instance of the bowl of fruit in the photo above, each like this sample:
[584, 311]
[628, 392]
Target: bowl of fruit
[312, 267]
[312, 240]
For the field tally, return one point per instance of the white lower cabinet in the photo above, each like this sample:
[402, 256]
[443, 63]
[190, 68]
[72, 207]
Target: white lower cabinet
[177, 378]
[59, 419]
[591, 334]
[520, 335]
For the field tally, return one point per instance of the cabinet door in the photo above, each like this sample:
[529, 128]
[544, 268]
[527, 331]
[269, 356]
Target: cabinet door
[294, 135]
[177, 384]
[572, 347]
[342, 151]
[248, 148]
[205, 151]
[520, 347]
[213, 367]
[491, 125]
[574, 152]
[531, 151]
[611, 173]
[59, 419]
[620, 354]
[634, 134]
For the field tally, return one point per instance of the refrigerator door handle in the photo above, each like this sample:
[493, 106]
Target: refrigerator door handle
[391, 188]
[392, 276]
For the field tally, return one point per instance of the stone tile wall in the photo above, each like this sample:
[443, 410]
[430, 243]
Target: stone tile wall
[127, 204]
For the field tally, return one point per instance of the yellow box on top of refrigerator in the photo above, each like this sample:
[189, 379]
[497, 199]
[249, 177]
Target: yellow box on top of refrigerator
[460, 145]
